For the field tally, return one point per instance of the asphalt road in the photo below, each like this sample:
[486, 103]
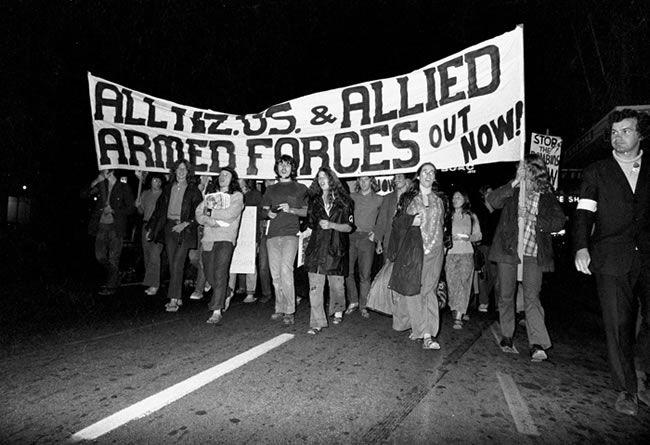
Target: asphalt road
[359, 382]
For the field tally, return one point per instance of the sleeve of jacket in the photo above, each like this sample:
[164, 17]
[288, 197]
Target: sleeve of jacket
[584, 216]
[497, 198]
[384, 219]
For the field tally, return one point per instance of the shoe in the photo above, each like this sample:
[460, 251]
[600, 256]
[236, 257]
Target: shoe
[506, 342]
[250, 298]
[313, 331]
[216, 318]
[626, 403]
[644, 396]
[413, 337]
[458, 324]
[482, 307]
[351, 308]
[277, 316]
[537, 353]
[151, 291]
[196, 295]
[298, 300]
[364, 313]
[207, 287]
[173, 305]
[107, 291]
[265, 299]
[465, 317]
[338, 318]
[287, 320]
[226, 305]
[430, 343]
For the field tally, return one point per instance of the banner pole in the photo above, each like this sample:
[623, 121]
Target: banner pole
[522, 185]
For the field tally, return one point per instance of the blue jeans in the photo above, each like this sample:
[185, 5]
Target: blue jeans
[108, 248]
[282, 254]
[362, 250]
[216, 264]
[317, 318]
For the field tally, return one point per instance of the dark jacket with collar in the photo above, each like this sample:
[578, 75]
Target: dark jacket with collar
[191, 199]
[550, 218]
[407, 252]
[621, 223]
[121, 201]
[327, 252]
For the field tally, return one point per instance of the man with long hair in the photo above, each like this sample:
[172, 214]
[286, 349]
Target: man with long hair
[611, 238]
[541, 214]
[283, 204]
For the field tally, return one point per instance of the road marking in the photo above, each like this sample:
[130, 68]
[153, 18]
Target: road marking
[173, 393]
[124, 331]
[518, 408]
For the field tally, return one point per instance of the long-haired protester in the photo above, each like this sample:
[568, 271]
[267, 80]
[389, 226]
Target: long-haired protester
[417, 247]
[541, 215]
[330, 216]
[283, 204]
[459, 263]
[173, 223]
[220, 214]
[146, 204]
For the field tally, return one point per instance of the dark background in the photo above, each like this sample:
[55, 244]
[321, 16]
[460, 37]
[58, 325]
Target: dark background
[582, 58]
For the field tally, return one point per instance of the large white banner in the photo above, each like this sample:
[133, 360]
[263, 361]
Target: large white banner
[550, 149]
[464, 110]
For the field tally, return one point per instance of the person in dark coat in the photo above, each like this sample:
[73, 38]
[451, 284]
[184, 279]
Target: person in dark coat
[330, 216]
[611, 238]
[114, 203]
[541, 215]
[421, 232]
[173, 223]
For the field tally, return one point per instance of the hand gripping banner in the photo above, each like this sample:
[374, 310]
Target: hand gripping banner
[464, 110]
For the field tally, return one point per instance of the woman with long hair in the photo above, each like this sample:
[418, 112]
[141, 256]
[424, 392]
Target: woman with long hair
[459, 263]
[541, 214]
[330, 216]
[417, 248]
[173, 223]
[221, 217]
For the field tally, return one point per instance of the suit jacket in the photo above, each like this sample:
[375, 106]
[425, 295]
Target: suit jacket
[621, 222]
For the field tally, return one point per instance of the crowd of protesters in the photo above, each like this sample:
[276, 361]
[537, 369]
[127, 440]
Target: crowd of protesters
[490, 254]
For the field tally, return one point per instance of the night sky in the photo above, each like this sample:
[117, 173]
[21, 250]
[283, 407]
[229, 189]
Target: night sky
[583, 57]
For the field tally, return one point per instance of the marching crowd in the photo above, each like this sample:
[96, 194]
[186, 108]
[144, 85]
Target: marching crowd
[421, 233]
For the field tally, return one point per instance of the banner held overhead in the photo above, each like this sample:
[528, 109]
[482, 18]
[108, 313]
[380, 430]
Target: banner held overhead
[464, 110]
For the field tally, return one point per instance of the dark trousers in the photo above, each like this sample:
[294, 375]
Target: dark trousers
[488, 278]
[216, 264]
[177, 249]
[619, 300]
[263, 269]
[108, 249]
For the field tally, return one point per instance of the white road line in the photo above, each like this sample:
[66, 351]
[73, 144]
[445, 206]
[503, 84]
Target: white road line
[173, 393]
[124, 331]
[518, 408]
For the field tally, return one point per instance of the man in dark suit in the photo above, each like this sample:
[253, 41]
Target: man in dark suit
[612, 239]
